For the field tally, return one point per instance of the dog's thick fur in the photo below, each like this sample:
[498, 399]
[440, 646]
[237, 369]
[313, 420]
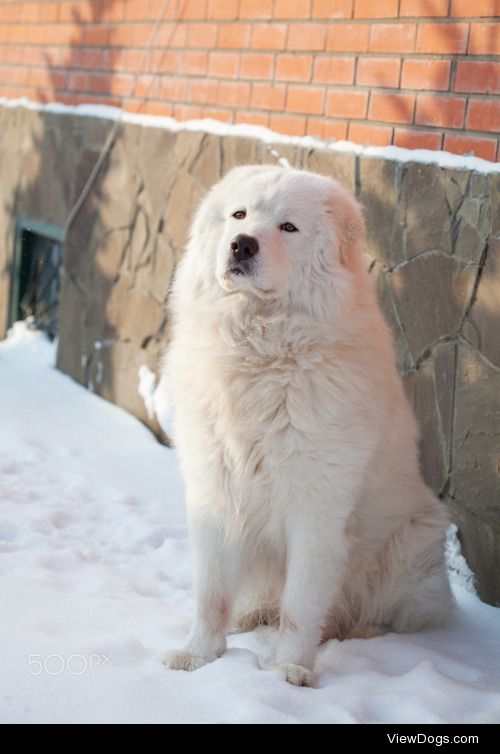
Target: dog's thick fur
[297, 445]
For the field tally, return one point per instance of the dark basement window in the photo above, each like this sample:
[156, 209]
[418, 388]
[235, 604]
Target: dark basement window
[35, 284]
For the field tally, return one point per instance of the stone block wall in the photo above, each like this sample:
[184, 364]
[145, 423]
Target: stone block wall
[433, 243]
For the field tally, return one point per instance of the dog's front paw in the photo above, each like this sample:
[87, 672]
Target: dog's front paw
[181, 659]
[298, 675]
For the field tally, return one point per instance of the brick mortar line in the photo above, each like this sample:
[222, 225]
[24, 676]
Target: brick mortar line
[129, 45]
[410, 55]
[311, 20]
[469, 38]
[261, 50]
[466, 114]
[307, 84]
[65, 64]
[120, 72]
[66, 2]
[400, 76]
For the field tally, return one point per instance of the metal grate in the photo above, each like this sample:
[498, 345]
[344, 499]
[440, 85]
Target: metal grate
[36, 278]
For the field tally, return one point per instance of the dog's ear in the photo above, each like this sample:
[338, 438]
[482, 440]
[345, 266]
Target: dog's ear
[347, 217]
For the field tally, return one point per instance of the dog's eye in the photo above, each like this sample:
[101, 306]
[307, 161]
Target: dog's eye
[289, 228]
[240, 214]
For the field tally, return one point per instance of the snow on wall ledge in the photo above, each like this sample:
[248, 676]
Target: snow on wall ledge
[427, 156]
[433, 239]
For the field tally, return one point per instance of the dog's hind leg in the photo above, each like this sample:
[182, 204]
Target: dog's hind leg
[426, 604]
[419, 596]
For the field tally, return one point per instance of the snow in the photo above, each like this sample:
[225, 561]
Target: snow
[156, 398]
[146, 389]
[96, 586]
[427, 156]
[459, 571]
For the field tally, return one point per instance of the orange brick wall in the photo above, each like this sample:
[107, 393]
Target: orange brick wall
[415, 73]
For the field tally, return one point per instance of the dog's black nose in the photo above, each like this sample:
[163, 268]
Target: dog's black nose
[244, 247]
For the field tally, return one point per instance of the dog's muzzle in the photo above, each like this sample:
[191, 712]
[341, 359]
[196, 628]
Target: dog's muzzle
[243, 250]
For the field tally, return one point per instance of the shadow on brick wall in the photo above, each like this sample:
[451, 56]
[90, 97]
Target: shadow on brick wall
[117, 260]
[105, 304]
[90, 50]
[404, 112]
[53, 164]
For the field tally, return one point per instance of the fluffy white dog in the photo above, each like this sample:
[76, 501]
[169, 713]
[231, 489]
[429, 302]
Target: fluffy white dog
[297, 444]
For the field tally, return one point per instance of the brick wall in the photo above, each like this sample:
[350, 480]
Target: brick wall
[415, 73]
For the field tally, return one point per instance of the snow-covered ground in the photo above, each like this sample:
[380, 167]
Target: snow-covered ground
[95, 575]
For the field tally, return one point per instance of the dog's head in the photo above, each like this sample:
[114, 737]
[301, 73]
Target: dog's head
[273, 234]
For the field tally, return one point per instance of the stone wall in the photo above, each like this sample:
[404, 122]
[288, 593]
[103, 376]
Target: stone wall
[434, 246]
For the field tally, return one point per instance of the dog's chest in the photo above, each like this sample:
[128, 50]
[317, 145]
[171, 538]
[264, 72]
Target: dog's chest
[256, 421]
[271, 411]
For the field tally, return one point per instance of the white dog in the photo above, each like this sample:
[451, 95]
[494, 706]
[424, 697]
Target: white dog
[297, 445]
